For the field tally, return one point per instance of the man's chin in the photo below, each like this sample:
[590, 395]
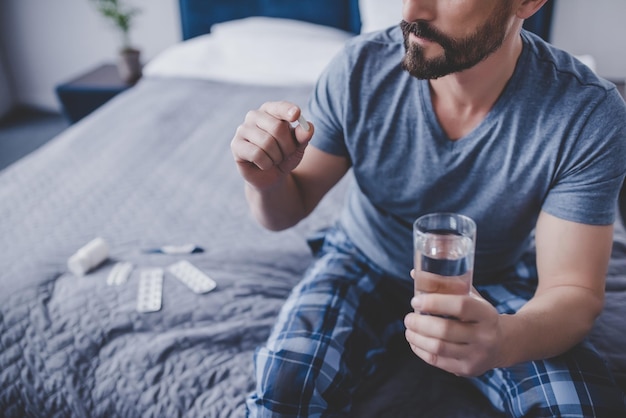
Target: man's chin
[423, 72]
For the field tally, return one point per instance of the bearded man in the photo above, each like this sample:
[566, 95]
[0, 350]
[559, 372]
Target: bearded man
[457, 109]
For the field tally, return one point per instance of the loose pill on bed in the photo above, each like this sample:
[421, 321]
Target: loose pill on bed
[303, 122]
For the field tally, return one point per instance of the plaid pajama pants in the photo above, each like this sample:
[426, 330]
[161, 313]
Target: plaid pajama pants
[335, 327]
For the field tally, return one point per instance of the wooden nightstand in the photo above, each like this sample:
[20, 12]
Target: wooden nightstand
[84, 94]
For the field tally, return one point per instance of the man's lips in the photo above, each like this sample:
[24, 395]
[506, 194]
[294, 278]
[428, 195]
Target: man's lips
[417, 39]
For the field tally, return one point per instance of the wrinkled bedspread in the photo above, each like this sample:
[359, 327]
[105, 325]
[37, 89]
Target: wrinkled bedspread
[151, 168]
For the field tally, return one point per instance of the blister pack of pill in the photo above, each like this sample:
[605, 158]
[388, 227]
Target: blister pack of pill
[194, 278]
[150, 291]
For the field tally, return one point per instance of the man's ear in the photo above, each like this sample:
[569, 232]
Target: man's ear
[527, 8]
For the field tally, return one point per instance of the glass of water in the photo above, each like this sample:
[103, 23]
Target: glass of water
[444, 245]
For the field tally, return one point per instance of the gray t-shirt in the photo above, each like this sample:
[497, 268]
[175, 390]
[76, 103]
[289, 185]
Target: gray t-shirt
[555, 140]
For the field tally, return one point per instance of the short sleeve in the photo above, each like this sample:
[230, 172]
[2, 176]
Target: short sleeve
[327, 107]
[586, 189]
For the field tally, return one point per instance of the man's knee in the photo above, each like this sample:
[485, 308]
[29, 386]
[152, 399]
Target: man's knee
[576, 384]
[285, 380]
[292, 383]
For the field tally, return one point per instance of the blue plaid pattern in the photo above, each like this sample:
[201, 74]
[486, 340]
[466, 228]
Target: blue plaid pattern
[341, 318]
[574, 384]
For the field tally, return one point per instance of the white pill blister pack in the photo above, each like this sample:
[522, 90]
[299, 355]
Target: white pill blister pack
[194, 278]
[150, 292]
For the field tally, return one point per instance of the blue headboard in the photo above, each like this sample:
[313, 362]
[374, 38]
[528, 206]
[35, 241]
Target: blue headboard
[197, 16]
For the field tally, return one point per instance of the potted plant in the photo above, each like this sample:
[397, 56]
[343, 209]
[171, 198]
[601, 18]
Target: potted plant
[122, 16]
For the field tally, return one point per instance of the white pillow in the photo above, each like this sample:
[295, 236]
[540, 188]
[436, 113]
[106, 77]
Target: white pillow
[379, 14]
[272, 28]
[255, 50]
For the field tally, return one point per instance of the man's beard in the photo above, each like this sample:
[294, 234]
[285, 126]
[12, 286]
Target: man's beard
[458, 54]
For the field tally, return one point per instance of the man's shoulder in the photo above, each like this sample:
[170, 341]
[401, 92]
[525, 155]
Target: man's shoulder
[564, 71]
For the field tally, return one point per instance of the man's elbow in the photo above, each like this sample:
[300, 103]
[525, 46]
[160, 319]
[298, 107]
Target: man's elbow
[594, 304]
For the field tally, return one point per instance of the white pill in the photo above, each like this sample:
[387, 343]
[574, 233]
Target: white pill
[303, 122]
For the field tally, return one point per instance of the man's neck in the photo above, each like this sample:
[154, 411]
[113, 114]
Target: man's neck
[462, 100]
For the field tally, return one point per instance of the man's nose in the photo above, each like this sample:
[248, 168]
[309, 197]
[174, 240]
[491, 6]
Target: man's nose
[414, 10]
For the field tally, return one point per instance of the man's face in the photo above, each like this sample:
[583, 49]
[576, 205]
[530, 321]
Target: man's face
[431, 53]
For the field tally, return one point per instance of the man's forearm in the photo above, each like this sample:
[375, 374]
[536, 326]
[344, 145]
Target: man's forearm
[549, 324]
[277, 208]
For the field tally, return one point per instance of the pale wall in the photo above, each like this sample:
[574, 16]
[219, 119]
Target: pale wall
[596, 27]
[50, 41]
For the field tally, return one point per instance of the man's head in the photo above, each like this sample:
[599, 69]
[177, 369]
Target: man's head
[433, 52]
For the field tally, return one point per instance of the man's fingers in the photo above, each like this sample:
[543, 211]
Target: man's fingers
[435, 346]
[282, 110]
[447, 329]
[274, 136]
[265, 142]
[291, 113]
[248, 152]
[450, 364]
[270, 138]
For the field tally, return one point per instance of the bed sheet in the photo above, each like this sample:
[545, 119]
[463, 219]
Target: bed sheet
[151, 168]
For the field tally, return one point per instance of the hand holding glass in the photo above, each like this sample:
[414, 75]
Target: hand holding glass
[444, 246]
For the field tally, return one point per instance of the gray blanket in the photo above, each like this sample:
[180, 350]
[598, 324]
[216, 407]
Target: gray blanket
[152, 168]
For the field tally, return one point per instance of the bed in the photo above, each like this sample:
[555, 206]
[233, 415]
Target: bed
[150, 172]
